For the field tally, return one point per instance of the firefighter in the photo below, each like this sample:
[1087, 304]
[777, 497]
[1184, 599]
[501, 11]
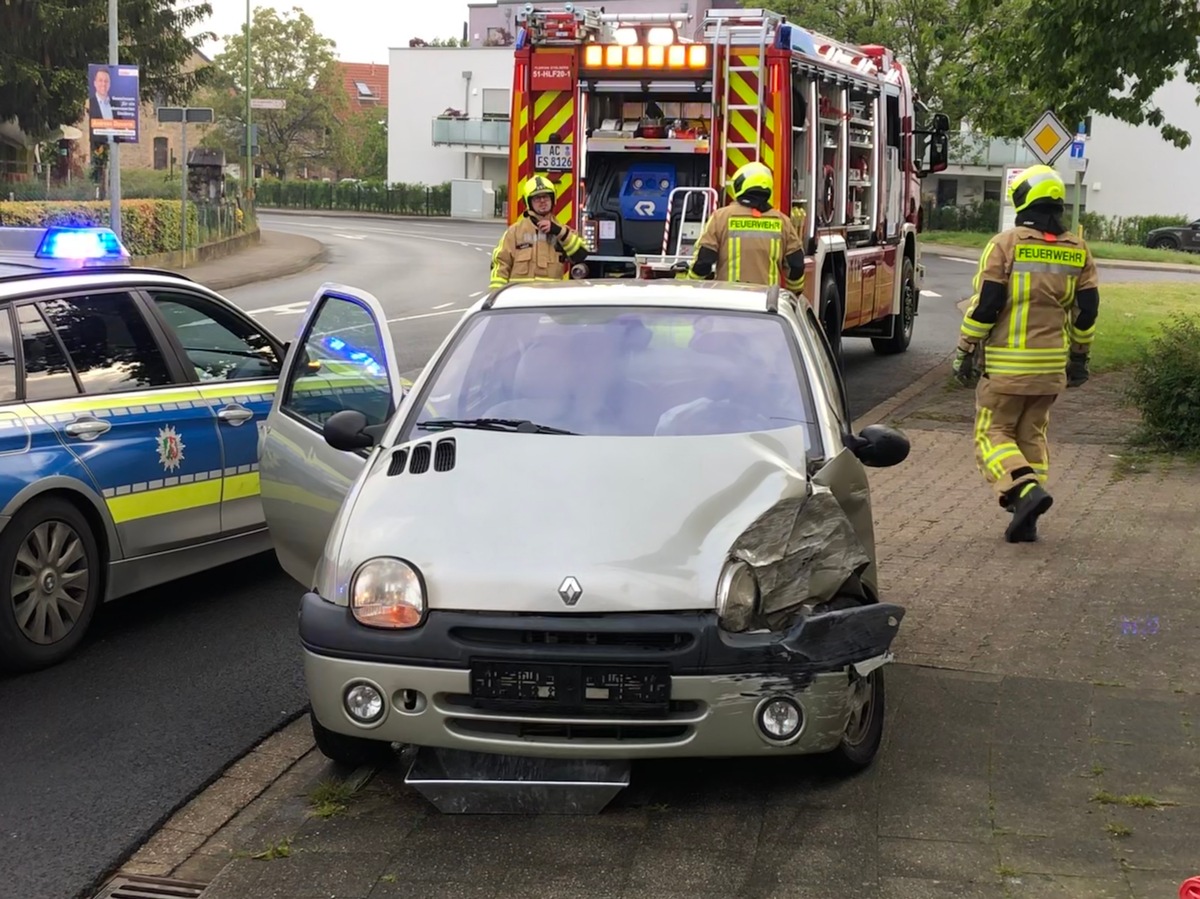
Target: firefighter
[536, 247]
[1026, 336]
[748, 241]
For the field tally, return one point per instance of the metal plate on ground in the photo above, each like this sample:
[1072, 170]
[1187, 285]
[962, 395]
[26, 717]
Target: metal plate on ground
[476, 783]
[136, 886]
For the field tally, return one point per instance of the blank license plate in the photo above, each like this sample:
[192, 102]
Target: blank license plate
[560, 686]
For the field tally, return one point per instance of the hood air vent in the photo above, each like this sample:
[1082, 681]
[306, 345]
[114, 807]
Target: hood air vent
[444, 455]
[418, 459]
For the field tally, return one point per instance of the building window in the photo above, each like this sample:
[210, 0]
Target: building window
[364, 92]
[991, 191]
[160, 154]
[496, 103]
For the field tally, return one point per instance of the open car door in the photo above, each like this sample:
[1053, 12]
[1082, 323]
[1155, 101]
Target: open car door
[342, 358]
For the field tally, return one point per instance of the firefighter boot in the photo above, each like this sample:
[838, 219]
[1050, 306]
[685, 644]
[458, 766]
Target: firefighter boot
[1026, 502]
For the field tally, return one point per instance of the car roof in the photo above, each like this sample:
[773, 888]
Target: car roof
[673, 293]
[22, 283]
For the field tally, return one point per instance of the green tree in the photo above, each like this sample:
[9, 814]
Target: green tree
[933, 38]
[1080, 58]
[361, 146]
[291, 61]
[47, 45]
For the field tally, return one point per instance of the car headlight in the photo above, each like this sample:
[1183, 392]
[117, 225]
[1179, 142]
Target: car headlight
[737, 597]
[387, 592]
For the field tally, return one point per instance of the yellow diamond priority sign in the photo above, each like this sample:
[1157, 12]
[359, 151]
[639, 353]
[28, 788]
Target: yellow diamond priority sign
[1048, 138]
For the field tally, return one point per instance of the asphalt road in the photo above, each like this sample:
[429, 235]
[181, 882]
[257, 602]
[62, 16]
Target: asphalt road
[176, 683]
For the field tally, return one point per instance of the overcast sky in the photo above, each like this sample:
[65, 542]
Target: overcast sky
[362, 29]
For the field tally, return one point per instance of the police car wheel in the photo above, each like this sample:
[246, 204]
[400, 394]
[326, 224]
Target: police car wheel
[353, 752]
[50, 579]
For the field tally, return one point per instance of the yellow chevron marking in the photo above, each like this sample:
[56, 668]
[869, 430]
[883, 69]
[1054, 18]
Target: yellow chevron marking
[556, 124]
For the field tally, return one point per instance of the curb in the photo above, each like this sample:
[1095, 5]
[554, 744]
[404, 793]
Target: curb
[313, 252]
[878, 413]
[934, 249]
[383, 216]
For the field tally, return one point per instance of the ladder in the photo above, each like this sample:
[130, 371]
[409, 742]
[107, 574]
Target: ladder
[725, 30]
[667, 264]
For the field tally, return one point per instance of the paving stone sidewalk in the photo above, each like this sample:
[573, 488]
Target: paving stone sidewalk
[1042, 730]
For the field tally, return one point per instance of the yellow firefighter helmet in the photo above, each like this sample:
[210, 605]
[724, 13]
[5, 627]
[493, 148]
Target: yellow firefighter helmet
[1038, 182]
[751, 176]
[538, 184]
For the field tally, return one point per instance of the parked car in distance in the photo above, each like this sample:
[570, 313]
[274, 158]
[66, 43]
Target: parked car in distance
[1176, 237]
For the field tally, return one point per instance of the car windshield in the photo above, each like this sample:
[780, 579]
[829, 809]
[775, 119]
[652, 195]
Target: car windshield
[605, 371]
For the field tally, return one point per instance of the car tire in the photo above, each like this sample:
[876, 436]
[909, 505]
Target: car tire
[902, 323]
[1165, 243]
[353, 752]
[64, 588]
[832, 317]
[863, 736]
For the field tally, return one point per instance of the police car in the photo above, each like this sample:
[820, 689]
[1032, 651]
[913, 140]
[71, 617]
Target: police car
[130, 405]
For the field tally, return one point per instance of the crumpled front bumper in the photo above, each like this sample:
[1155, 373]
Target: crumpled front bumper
[718, 680]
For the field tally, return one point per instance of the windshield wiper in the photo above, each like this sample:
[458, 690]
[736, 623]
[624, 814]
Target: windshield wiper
[518, 425]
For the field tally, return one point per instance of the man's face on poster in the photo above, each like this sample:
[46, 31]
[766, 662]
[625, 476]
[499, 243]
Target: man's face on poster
[101, 84]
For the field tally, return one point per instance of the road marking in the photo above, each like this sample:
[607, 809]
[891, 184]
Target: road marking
[443, 306]
[285, 309]
[960, 259]
[349, 236]
[476, 294]
[929, 293]
[408, 318]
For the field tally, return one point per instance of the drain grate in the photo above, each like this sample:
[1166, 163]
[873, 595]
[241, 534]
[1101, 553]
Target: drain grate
[136, 887]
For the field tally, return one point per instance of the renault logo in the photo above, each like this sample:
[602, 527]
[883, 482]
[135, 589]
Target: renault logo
[570, 591]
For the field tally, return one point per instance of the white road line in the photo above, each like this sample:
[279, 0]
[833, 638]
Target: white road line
[349, 236]
[443, 306]
[477, 294]
[960, 259]
[929, 293]
[408, 318]
[284, 309]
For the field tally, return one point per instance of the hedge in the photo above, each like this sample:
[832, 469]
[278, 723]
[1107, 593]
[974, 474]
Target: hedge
[147, 226]
[1130, 230]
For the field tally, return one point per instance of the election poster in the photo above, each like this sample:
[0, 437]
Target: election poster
[113, 102]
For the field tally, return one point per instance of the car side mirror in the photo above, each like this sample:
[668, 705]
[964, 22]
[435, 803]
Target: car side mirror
[347, 431]
[939, 151]
[879, 446]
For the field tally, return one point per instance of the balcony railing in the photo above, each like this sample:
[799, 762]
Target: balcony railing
[471, 132]
[978, 150]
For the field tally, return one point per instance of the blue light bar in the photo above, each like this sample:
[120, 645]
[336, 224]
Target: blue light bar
[82, 245]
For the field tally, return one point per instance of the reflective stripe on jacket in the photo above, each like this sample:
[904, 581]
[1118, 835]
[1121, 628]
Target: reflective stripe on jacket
[1026, 349]
[751, 246]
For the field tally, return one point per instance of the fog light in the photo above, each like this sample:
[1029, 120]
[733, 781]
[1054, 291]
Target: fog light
[779, 719]
[364, 703]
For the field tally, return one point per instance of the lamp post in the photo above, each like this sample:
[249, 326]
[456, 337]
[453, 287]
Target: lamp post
[114, 155]
[248, 178]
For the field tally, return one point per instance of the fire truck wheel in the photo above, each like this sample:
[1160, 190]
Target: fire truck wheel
[902, 324]
[832, 317]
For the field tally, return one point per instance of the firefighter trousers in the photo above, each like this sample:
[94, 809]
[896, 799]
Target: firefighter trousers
[1010, 436]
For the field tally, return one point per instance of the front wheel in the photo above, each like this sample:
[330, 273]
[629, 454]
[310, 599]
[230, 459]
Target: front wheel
[902, 324]
[50, 579]
[1166, 243]
[864, 730]
[353, 752]
[832, 318]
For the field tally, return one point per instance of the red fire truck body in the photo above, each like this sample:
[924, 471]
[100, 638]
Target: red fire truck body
[641, 128]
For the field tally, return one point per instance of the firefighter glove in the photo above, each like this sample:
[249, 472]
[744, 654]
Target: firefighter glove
[966, 372]
[1077, 369]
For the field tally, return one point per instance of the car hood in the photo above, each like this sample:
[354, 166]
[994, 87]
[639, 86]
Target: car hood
[641, 523]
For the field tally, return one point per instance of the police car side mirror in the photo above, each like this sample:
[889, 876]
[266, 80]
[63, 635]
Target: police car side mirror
[347, 431]
[879, 446]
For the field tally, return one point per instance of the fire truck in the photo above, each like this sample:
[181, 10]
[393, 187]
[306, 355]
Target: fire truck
[641, 127]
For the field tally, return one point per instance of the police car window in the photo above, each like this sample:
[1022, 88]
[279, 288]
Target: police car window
[342, 367]
[108, 342]
[47, 374]
[219, 346]
[8, 360]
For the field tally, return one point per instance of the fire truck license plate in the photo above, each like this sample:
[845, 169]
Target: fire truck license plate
[553, 157]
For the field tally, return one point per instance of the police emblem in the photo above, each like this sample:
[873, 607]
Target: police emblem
[170, 448]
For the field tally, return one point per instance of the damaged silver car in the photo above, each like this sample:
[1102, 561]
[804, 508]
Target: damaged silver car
[609, 520]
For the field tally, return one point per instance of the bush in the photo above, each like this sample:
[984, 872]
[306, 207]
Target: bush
[1131, 230]
[365, 196]
[981, 217]
[147, 226]
[1165, 385]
